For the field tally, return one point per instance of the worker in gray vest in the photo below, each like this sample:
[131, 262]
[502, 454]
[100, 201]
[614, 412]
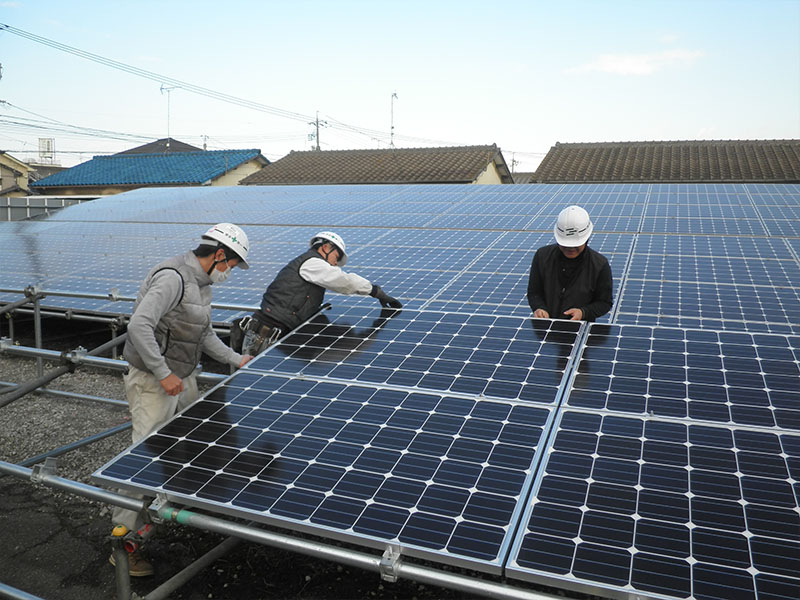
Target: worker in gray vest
[297, 292]
[169, 330]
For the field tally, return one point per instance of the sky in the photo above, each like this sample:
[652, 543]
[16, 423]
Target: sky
[520, 74]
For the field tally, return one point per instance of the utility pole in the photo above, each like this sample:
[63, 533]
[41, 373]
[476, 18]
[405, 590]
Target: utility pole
[316, 123]
[391, 130]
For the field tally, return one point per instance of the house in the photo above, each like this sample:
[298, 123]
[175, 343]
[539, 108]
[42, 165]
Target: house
[731, 161]
[14, 176]
[457, 164]
[162, 163]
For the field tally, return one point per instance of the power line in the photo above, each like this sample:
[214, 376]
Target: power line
[169, 81]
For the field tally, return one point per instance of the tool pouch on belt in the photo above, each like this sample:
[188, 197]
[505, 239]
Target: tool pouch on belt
[237, 335]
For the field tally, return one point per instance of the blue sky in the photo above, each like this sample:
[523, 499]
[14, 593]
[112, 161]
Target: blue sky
[523, 75]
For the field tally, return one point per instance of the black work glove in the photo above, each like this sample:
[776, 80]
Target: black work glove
[384, 298]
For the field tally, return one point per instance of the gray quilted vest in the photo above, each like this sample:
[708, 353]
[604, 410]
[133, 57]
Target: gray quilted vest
[290, 299]
[180, 331]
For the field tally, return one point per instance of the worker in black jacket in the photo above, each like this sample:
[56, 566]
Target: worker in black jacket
[568, 279]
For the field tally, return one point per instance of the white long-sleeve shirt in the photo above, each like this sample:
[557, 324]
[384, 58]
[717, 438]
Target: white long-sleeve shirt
[322, 273]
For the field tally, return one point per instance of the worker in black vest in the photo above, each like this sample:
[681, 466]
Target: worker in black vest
[299, 290]
[568, 279]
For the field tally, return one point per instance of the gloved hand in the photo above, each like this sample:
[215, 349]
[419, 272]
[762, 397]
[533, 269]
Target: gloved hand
[384, 298]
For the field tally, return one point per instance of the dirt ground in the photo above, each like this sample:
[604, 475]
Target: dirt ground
[55, 545]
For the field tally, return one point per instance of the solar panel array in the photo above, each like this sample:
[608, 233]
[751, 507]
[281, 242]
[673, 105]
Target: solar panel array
[655, 453]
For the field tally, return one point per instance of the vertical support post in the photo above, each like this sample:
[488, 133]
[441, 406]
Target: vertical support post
[37, 331]
[121, 562]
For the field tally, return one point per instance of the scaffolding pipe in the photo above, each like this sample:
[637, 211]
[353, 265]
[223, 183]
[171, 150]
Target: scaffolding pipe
[13, 305]
[37, 333]
[65, 394]
[92, 361]
[73, 487]
[10, 395]
[6, 591]
[352, 558]
[76, 444]
[163, 591]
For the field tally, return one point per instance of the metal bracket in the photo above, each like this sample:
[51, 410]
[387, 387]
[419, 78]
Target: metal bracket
[390, 563]
[155, 507]
[73, 358]
[43, 470]
[33, 292]
[113, 295]
[5, 344]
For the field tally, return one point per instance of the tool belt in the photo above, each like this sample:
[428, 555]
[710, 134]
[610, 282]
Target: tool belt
[267, 332]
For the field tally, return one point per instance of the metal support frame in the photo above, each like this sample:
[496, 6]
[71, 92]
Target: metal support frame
[161, 509]
[6, 591]
[71, 360]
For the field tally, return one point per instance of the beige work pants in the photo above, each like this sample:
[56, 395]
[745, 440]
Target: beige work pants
[150, 408]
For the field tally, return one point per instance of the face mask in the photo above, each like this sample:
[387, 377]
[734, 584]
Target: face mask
[218, 276]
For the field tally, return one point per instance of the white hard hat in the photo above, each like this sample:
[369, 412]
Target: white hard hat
[573, 227]
[232, 237]
[333, 238]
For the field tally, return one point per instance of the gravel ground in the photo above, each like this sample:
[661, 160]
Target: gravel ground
[55, 544]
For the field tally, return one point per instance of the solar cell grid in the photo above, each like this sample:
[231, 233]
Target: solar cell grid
[741, 211]
[679, 510]
[440, 475]
[738, 271]
[479, 355]
[716, 306]
[731, 247]
[702, 226]
[723, 377]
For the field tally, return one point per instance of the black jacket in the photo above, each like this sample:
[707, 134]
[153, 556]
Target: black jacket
[590, 289]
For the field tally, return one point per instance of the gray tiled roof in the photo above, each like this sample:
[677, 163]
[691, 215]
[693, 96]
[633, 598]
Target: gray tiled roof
[458, 164]
[164, 145]
[682, 161]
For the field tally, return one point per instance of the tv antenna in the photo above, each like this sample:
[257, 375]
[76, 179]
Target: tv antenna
[168, 89]
[391, 130]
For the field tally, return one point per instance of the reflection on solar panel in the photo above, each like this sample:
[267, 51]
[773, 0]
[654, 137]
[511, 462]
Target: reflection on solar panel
[419, 429]
[655, 454]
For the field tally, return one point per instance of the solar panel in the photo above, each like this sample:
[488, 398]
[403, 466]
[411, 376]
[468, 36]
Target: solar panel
[673, 469]
[653, 454]
[338, 430]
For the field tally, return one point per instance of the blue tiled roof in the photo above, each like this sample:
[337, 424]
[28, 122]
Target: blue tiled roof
[150, 169]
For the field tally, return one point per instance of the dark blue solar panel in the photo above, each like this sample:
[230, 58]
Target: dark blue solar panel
[481, 355]
[441, 475]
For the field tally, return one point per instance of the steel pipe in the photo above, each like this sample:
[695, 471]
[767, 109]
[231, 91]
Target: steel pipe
[76, 444]
[92, 361]
[13, 305]
[65, 394]
[73, 487]
[6, 591]
[163, 591]
[353, 558]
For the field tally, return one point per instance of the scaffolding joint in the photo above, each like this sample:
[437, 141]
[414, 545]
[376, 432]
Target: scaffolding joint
[114, 295]
[73, 358]
[390, 563]
[44, 470]
[156, 506]
[34, 292]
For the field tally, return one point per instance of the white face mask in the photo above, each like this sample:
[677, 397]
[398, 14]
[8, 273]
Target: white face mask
[218, 276]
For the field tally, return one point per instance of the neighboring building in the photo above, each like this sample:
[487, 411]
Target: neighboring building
[132, 169]
[731, 161]
[526, 177]
[459, 164]
[14, 176]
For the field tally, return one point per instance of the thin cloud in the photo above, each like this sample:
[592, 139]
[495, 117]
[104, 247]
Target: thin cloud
[639, 64]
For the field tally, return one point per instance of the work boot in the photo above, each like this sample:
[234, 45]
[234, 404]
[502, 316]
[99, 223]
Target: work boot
[139, 567]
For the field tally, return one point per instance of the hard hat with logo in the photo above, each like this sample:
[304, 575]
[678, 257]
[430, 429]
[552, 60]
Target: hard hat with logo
[573, 227]
[231, 236]
[333, 238]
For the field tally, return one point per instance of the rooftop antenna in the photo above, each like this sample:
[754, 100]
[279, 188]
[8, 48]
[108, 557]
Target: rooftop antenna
[391, 131]
[168, 89]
